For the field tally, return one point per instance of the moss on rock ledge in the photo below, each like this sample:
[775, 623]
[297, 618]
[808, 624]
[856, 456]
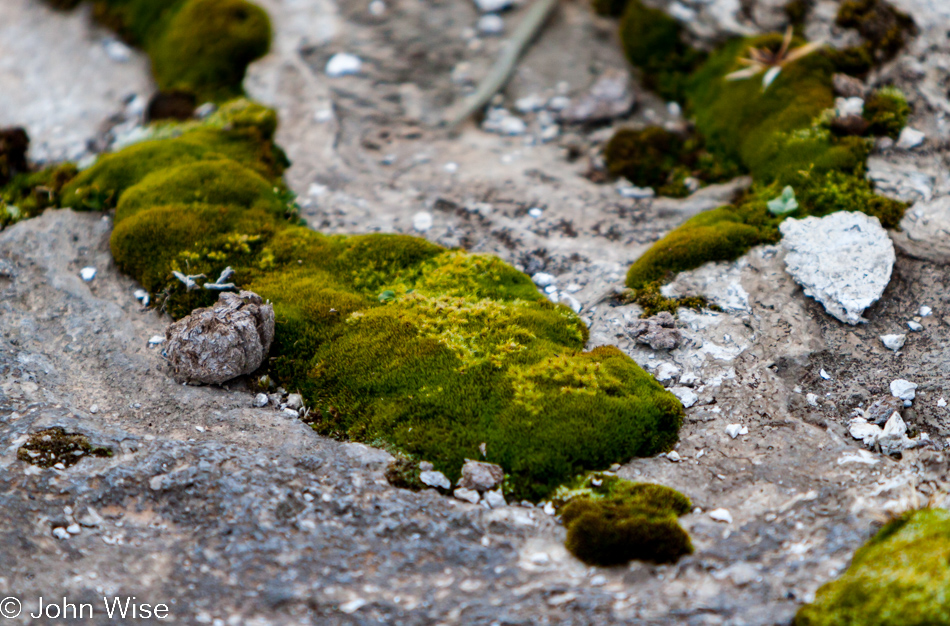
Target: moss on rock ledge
[391, 339]
[901, 577]
[611, 521]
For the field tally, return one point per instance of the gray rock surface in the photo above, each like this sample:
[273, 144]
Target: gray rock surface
[481, 476]
[925, 231]
[215, 344]
[843, 260]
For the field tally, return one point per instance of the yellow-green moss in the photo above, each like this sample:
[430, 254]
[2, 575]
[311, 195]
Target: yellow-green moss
[652, 301]
[901, 577]
[611, 521]
[52, 446]
[390, 338]
[653, 42]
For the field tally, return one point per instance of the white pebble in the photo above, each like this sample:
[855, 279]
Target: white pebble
[377, 8]
[910, 138]
[290, 413]
[94, 409]
[491, 24]
[941, 403]
[721, 515]
[495, 499]
[261, 400]
[915, 326]
[674, 456]
[435, 479]
[73, 529]
[535, 212]
[824, 374]
[734, 430]
[343, 64]
[686, 395]
[468, 495]
[925, 311]
[451, 168]
[572, 302]
[639, 193]
[542, 279]
[893, 342]
[540, 558]
[903, 389]
[154, 340]
[60, 533]
[493, 6]
[529, 104]
[422, 221]
[87, 273]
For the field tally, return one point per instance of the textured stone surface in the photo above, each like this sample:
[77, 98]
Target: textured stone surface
[843, 260]
[215, 344]
[481, 476]
[925, 231]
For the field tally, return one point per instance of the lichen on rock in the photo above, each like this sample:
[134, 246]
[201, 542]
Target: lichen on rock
[54, 446]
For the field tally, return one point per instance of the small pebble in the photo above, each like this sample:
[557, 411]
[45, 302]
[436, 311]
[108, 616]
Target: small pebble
[435, 479]
[468, 495]
[290, 413]
[422, 221]
[893, 342]
[903, 389]
[941, 403]
[343, 64]
[73, 529]
[451, 168]
[87, 273]
[377, 8]
[673, 456]
[60, 533]
[734, 430]
[94, 409]
[915, 326]
[535, 212]
[261, 400]
[495, 499]
[925, 311]
[542, 279]
[824, 374]
[631, 191]
[910, 138]
[491, 24]
[721, 515]
[493, 6]
[154, 340]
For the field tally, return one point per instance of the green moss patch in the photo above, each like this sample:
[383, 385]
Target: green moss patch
[887, 112]
[654, 42]
[392, 340]
[47, 448]
[202, 47]
[652, 301]
[901, 577]
[611, 521]
[28, 195]
[780, 133]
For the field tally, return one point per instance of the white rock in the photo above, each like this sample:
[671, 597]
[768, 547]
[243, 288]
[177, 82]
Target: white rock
[686, 396]
[910, 138]
[154, 340]
[535, 212]
[435, 479]
[859, 428]
[295, 401]
[87, 273]
[495, 499]
[811, 399]
[530, 104]
[895, 426]
[540, 558]
[117, 51]
[261, 400]
[94, 409]
[468, 495]
[849, 106]
[925, 311]
[343, 64]
[721, 515]
[824, 374]
[632, 191]
[734, 430]
[89, 518]
[548, 508]
[377, 8]
[353, 606]
[60, 533]
[925, 232]
[422, 221]
[502, 122]
[915, 326]
[542, 279]
[893, 439]
[674, 456]
[73, 529]
[141, 295]
[843, 260]
[491, 24]
[666, 371]
[893, 342]
[451, 167]
[903, 389]
[290, 413]
[493, 6]
[572, 302]
[941, 403]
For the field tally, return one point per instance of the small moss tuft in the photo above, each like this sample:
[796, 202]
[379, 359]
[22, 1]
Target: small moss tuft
[28, 195]
[884, 28]
[403, 473]
[48, 447]
[899, 577]
[653, 302]
[611, 521]
[887, 112]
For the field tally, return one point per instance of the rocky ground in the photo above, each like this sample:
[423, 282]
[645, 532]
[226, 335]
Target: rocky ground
[233, 514]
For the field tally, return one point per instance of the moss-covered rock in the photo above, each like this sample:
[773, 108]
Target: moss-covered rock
[901, 577]
[780, 134]
[884, 28]
[611, 521]
[391, 339]
[54, 446]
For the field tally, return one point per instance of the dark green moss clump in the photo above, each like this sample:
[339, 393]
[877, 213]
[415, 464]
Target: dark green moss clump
[403, 473]
[657, 158]
[611, 521]
[28, 195]
[887, 112]
[392, 340]
[46, 448]
[884, 28]
[202, 47]
[654, 43]
[898, 578]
